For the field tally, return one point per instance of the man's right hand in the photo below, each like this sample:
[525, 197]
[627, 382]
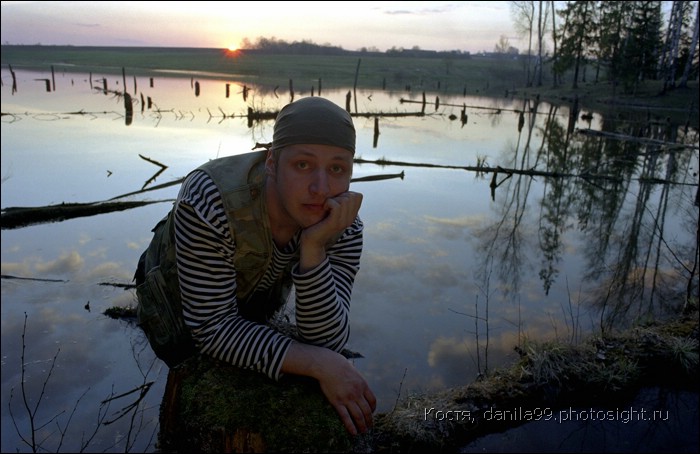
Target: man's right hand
[342, 384]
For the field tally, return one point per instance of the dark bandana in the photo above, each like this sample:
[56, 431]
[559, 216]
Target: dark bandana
[314, 120]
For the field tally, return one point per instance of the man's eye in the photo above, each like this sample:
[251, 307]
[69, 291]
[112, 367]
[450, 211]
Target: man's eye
[303, 165]
[337, 169]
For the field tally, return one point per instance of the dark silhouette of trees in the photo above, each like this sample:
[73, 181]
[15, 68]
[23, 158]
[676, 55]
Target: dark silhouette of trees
[628, 42]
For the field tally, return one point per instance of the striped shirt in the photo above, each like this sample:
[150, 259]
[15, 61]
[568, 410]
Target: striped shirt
[207, 276]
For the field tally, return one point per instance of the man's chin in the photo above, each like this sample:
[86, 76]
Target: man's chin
[309, 220]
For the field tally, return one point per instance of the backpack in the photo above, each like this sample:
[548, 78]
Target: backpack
[159, 311]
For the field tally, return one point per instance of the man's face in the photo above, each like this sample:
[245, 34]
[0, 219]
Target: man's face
[304, 177]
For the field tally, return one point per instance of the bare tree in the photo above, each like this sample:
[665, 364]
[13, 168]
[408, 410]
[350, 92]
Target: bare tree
[502, 45]
[523, 15]
[554, 44]
[542, 19]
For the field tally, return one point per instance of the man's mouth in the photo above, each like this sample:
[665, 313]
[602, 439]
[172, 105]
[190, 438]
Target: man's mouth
[315, 206]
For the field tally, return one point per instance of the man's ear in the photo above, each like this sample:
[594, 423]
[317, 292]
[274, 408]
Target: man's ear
[270, 166]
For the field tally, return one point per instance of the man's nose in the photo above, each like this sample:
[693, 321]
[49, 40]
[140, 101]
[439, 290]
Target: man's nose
[319, 183]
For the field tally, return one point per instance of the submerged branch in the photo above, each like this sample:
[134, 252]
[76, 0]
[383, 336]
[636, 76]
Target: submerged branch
[511, 171]
[16, 217]
[644, 140]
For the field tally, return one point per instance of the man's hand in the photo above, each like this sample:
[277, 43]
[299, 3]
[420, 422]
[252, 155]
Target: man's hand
[344, 387]
[341, 211]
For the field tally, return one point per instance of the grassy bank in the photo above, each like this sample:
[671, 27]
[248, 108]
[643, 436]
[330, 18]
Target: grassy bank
[476, 75]
[602, 372]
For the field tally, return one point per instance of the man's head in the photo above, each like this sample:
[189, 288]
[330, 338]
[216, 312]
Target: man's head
[313, 120]
[310, 161]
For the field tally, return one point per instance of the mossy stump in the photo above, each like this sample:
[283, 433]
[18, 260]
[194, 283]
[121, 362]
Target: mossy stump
[210, 406]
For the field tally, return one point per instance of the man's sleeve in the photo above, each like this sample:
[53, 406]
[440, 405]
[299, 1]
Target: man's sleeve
[323, 294]
[208, 284]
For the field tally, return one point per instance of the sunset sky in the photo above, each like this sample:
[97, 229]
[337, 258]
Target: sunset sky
[471, 26]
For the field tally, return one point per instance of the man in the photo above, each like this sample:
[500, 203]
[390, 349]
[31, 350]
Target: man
[243, 229]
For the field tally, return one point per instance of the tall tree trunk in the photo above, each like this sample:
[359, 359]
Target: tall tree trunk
[539, 45]
[529, 45]
[670, 58]
[554, 44]
[689, 63]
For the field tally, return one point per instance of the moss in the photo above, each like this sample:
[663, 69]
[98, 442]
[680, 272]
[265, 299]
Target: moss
[221, 406]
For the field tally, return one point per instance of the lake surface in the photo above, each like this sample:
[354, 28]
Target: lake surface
[575, 231]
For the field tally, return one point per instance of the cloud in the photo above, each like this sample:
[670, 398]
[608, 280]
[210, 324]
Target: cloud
[66, 264]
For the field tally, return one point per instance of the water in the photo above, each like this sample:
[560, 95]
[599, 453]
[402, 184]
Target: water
[449, 262]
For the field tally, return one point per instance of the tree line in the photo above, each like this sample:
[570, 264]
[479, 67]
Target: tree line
[306, 47]
[627, 42]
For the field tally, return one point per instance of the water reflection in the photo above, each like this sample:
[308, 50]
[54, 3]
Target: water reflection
[506, 223]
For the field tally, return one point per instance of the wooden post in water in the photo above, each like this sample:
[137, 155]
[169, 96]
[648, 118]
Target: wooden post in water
[124, 79]
[228, 90]
[151, 82]
[348, 97]
[376, 132]
[291, 90]
[196, 88]
[422, 109]
[129, 109]
[53, 80]
[354, 86]
[319, 86]
[14, 80]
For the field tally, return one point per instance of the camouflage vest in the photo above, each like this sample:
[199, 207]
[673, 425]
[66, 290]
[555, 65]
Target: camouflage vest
[240, 181]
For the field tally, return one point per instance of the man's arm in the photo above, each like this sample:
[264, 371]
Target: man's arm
[341, 383]
[330, 252]
[329, 260]
[208, 285]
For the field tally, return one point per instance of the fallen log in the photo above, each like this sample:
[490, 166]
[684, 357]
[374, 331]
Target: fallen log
[16, 217]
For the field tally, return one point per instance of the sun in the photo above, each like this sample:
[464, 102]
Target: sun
[233, 50]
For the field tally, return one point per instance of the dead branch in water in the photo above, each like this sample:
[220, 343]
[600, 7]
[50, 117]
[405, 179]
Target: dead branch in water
[16, 217]
[644, 140]
[153, 161]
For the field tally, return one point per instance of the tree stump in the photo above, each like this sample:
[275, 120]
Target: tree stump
[210, 406]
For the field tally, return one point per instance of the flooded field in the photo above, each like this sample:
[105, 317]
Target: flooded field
[488, 222]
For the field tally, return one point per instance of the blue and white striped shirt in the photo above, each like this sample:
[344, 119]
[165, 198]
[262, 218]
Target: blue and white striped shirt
[205, 251]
